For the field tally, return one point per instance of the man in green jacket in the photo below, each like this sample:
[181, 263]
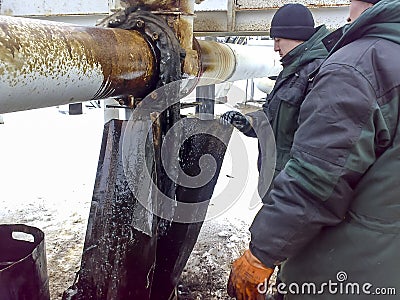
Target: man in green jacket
[302, 51]
[332, 219]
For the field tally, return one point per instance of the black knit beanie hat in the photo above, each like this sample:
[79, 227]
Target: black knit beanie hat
[294, 22]
[371, 1]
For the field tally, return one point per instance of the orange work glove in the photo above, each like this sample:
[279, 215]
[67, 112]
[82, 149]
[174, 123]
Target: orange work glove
[247, 273]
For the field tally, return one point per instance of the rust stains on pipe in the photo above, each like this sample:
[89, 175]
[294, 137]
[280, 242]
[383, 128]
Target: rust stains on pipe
[183, 28]
[127, 60]
[231, 62]
[179, 15]
[46, 63]
[218, 62]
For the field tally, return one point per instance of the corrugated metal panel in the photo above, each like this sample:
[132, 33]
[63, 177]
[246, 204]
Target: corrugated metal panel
[260, 20]
[212, 16]
[257, 22]
[254, 16]
[54, 7]
[211, 21]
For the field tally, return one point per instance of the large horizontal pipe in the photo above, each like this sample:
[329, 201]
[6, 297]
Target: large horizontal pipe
[232, 62]
[46, 63]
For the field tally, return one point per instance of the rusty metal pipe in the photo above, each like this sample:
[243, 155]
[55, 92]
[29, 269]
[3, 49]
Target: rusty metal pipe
[231, 62]
[46, 63]
[217, 62]
[179, 15]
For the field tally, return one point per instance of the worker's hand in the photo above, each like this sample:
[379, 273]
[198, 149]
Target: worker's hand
[235, 118]
[247, 273]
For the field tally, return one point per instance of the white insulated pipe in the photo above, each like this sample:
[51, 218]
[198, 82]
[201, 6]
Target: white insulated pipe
[251, 62]
[231, 62]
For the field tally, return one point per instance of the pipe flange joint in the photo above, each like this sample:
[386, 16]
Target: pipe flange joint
[168, 52]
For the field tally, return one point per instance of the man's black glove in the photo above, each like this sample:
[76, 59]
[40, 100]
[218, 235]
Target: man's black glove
[236, 119]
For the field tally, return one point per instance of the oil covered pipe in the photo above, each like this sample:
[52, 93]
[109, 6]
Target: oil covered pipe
[179, 15]
[231, 62]
[45, 64]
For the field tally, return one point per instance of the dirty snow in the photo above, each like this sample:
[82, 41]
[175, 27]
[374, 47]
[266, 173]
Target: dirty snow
[48, 162]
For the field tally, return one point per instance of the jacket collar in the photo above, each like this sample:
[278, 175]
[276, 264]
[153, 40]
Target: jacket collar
[381, 20]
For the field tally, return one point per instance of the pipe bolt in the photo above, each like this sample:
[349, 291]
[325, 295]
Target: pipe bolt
[154, 95]
[139, 23]
[114, 23]
[155, 36]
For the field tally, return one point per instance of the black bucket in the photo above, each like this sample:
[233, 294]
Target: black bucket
[23, 266]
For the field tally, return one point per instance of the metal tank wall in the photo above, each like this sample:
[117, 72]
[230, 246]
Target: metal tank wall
[212, 16]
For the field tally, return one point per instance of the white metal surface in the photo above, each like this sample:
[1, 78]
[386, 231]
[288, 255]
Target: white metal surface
[81, 20]
[54, 7]
[80, 7]
[240, 17]
[212, 5]
[29, 80]
[253, 62]
[37, 90]
[265, 84]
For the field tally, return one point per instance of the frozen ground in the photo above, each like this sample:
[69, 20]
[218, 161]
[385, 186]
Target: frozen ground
[48, 163]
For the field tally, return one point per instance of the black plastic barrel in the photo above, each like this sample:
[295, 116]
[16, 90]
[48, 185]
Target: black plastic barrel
[23, 266]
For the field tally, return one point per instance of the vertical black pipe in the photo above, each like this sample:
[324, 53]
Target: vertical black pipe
[205, 96]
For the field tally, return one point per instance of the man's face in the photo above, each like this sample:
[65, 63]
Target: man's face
[284, 46]
[357, 8]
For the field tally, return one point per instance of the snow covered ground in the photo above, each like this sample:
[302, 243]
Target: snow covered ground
[48, 163]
